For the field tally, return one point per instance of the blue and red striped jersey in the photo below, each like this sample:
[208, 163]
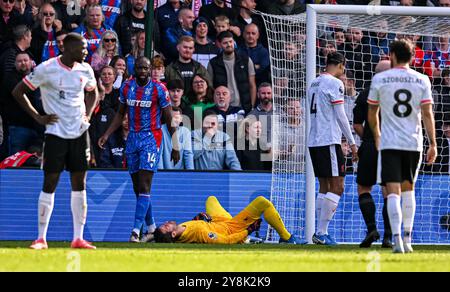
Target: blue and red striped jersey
[144, 104]
[111, 10]
[50, 49]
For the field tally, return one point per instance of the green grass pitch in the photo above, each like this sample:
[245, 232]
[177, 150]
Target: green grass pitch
[15, 256]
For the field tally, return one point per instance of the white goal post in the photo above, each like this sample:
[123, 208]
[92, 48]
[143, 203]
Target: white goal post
[293, 182]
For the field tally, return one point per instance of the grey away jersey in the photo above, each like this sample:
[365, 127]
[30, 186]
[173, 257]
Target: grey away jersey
[325, 92]
[400, 92]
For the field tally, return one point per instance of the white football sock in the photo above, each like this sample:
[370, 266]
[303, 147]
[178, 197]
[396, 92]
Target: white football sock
[151, 228]
[329, 206]
[45, 209]
[78, 204]
[395, 213]
[319, 203]
[408, 211]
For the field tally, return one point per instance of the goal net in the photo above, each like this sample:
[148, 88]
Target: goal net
[362, 34]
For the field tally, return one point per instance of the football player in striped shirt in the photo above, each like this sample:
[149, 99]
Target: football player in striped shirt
[145, 100]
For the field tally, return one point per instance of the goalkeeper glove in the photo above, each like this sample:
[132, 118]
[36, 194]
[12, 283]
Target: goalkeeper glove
[254, 226]
[203, 216]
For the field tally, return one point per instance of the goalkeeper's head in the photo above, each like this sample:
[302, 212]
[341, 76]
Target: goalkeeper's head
[335, 64]
[167, 232]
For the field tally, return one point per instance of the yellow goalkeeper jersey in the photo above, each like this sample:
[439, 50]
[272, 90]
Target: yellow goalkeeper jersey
[224, 232]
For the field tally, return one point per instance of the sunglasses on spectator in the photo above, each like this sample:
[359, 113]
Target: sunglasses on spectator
[109, 40]
[48, 13]
[10, 1]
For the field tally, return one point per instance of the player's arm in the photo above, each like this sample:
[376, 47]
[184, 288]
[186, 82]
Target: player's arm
[91, 99]
[167, 116]
[217, 238]
[115, 124]
[373, 102]
[374, 122]
[343, 123]
[428, 120]
[359, 129]
[252, 82]
[358, 116]
[20, 94]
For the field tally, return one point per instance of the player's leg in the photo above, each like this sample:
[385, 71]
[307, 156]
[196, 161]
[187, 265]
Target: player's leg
[54, 153]
[411, 163]
[387, 236]
[321, 161]
[395, 214]
[150, 225]
[334, 169]
[366, 178]
[133, 164]
[324, 187]
[77, 162]
[45, 208]
[368, 210]
[329, 207]
[144, 229]
[78, 203]
[135, 180]
[408, 202]
[142, 202]
[148, 163]
[254, 211]
[215, 210]
[153, 157]
[391, 175]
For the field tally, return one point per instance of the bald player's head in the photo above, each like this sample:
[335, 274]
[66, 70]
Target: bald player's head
[383, 66]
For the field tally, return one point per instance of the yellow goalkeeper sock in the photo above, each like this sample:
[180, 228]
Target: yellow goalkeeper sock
[262, 205]
[214, 209]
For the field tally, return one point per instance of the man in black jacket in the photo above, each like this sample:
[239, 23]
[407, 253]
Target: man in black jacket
[131, 22]
[235, 71]
[185, 68]
[22, 129]
[11, 18]
[22, 43]
[286, 7]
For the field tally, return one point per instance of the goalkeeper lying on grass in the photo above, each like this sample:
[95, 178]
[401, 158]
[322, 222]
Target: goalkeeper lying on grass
[218, 226]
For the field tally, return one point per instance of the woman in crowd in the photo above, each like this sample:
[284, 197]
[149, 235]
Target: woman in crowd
[200, 98]
[248, 149]
[136, 51]
[112, 155]
[120, 65]
[108, 49]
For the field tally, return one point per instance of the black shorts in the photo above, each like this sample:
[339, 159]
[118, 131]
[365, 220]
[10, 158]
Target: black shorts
[398, 166]
[367, 164]
[71, 154]
[328, 161]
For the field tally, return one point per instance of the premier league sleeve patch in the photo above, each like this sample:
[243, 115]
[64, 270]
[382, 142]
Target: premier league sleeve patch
[212, 235]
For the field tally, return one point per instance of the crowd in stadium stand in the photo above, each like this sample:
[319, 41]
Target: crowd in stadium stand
[216, 67]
